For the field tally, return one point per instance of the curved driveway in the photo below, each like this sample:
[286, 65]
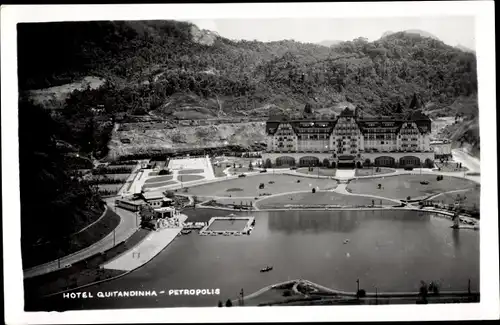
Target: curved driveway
[127, 226]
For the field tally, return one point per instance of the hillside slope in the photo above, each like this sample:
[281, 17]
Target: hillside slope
[174, 71]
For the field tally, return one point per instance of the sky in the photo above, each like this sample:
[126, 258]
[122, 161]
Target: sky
[452, 30]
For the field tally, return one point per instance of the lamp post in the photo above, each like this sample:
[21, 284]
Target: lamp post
[357, 291]
[376, 296]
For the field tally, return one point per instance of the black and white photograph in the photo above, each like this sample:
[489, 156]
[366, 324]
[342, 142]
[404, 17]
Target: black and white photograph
[161, 160]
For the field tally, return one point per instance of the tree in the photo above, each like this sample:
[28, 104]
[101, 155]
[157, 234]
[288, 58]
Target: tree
[250, 166]
[169, 194]
[399, 108]
[379, 186]
[164, 172]
[423, 291]
[314, 190]
[219, 304]
[229, 303]
[308, 108]
[268, 163]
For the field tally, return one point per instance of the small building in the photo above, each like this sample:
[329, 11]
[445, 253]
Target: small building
[166, 212]
[156, 199]
[441, 148]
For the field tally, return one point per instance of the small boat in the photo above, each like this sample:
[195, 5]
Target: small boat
[266, 269]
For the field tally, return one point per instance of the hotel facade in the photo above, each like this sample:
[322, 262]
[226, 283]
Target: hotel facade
[350, 140]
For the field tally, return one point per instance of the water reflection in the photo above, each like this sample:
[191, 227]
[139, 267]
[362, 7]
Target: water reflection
[345, 221]
[455, 233]
[316, 221]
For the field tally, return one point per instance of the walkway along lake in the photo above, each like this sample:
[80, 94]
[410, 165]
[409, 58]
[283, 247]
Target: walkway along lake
[390, 250]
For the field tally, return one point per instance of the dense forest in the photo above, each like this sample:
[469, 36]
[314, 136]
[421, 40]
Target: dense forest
[145, 64]
[148, 61]
[54, 203]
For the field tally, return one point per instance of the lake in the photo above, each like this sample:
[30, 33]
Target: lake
[391, 250]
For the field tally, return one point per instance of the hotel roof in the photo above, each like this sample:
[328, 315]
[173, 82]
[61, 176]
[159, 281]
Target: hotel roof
[153, 195]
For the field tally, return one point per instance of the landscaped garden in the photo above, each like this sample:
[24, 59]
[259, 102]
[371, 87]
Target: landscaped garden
[373, 171]
[188, 178]
[469, 199]
[159, 184]
[315, 171]
[190, 171]
[249, 186]
[318, 199]
[159, 179]
[402, 186]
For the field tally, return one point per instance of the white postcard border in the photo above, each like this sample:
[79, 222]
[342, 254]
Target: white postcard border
[483, 11]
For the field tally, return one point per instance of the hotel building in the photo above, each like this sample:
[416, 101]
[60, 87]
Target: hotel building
[402, 141]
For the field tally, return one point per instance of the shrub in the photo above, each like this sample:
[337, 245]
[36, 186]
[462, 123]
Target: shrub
[314, 190]
[219, 304]
[287, 293]
[361, 293]
[229, 303]
[408, 198]
[169, 194]
[164, 172]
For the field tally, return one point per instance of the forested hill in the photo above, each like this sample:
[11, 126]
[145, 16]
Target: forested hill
[146, 62]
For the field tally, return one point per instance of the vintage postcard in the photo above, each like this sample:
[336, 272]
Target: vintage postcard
[321, 157]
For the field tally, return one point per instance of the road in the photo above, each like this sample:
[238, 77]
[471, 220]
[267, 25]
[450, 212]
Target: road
[472, 163]
[127, 226]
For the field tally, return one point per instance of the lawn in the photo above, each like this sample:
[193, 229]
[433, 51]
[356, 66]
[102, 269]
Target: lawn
[153, 174]
[160, 184]
[237, 201]
[188, 178]
[241, 170]
[249, 186]
[318, 198]
[373, 171]
[472, 197]
[315, 172]
[110, 187]
[190, 171]
[402, 186]
[159, 179]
